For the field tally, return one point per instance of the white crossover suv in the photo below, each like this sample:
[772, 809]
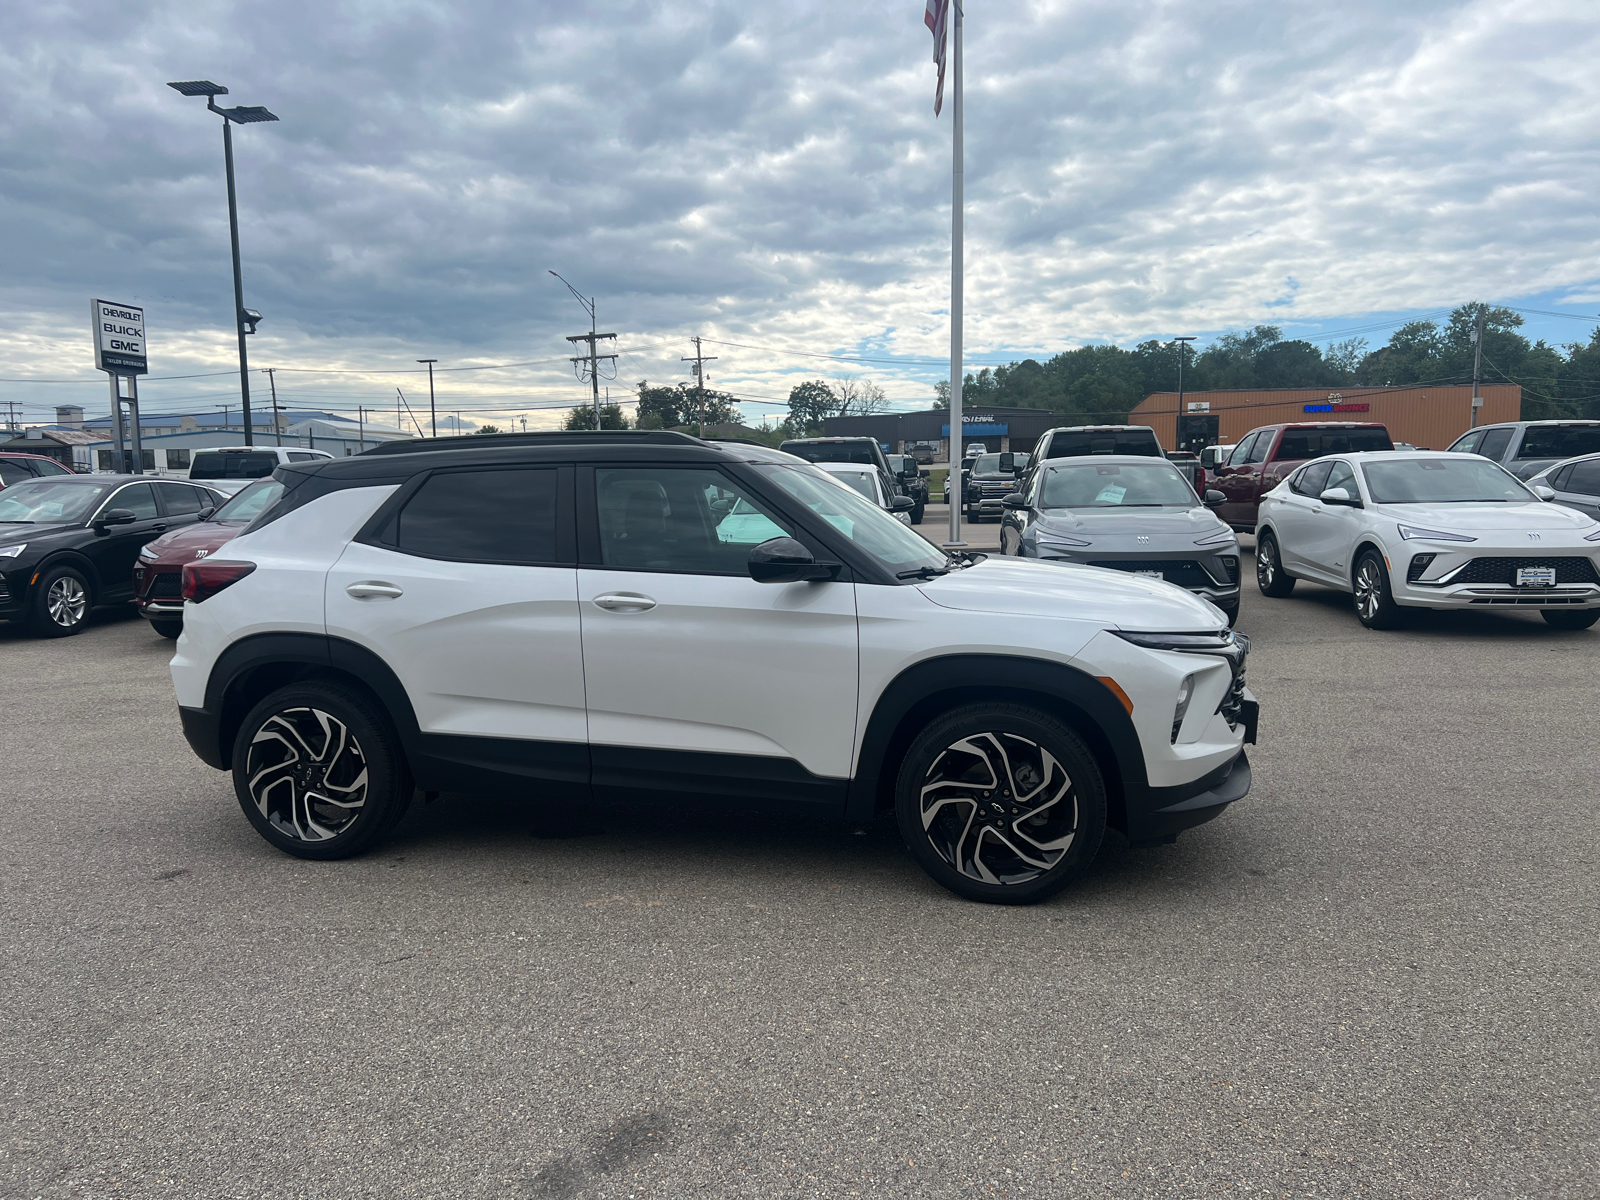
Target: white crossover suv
[1428, 530]
[648, 617]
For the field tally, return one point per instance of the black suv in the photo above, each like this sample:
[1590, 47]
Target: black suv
[69, 542]
[912, 480]
[988, 480]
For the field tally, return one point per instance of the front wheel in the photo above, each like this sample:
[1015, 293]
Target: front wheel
[168, 629]
[916, 515]
[1270, 575]
[319, 772]
[1001, 803]
[1374, 601]
[61, 603]
[1569, 618]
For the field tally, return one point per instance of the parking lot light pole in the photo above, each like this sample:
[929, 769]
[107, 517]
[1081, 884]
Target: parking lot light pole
[245, 319]
[433, 413]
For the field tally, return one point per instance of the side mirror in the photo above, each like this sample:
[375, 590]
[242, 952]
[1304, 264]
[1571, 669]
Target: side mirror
[1543, 492]
[205, 513]
[1339, 496]
[1214, 498]
[1014, 500]
[114, 516]
[1008, 463]
[902, 504]
[784, 560]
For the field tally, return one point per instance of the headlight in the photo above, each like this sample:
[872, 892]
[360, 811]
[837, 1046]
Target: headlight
[1212, 539]
[148, 554]
[1589, 537]
[1185, 693]
[1056, 539]
[13, 551]
[1203, 643]
[1411, 533]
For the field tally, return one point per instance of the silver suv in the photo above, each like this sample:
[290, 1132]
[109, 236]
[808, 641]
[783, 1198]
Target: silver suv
[1526, 448]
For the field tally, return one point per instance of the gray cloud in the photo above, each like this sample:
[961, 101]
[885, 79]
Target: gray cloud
[769, 174]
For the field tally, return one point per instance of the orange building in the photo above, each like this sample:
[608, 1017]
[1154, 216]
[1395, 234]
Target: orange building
[1427, 416]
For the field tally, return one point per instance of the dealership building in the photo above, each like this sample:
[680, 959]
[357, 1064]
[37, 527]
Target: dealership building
[1423, 416]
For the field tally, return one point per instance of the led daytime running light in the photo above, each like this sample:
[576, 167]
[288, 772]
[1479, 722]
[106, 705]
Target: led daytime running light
[1412, 533]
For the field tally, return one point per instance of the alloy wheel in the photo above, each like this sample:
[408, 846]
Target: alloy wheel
[1266, 568]
[307, 774]
[999, 808]
[66, 601]
[1369, 589]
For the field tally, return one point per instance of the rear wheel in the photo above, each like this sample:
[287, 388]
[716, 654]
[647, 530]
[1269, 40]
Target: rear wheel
[1001, 803]
[168, 629]
[319, 772]
[1271, 578]
[1570, 618]
[916, 515]
[61, 603]
[1374, 601]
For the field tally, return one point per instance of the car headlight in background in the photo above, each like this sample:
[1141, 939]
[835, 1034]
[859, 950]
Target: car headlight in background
[148, 554]
[1411, 533]
[13, 551]
[1211, 539]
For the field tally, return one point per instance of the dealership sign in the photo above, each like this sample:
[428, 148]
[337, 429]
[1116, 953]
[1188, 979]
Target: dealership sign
[1197, 406]
[118, 338]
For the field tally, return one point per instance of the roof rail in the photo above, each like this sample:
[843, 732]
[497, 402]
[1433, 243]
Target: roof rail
[488, 441]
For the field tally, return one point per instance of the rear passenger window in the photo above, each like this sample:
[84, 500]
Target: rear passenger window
[503, 516]
[301, 456]
[179, 499]
[1584, 478]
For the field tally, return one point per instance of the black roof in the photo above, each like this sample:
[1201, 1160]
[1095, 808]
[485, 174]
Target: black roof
[481, 441]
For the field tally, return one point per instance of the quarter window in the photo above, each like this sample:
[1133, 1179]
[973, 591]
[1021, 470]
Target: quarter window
[692, 521]
[503, 516]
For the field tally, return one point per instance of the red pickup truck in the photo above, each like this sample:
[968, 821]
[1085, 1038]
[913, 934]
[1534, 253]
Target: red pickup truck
[1264, 456]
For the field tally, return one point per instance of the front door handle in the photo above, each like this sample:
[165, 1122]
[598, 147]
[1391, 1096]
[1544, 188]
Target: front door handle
[162, 528]
[624, 602]
[373, 589]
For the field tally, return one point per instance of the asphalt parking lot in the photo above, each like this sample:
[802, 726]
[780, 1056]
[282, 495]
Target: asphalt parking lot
[1374, 977]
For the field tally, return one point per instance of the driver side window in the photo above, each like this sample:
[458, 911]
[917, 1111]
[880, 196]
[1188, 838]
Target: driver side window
[687, 520]
[1342, 476]
[1242, 449]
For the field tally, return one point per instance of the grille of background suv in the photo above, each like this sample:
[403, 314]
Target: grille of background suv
[1504, 570]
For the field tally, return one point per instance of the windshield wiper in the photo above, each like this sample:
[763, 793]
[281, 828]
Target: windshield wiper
[922, 573]
[17, 522]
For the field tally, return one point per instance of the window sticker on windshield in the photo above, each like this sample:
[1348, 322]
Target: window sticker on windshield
[1111, 494]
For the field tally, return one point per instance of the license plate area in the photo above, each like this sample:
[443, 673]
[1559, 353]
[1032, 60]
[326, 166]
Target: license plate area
[1149, 574]
[1536, 577]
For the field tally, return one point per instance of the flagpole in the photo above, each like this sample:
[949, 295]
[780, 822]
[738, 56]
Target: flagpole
[957, 490]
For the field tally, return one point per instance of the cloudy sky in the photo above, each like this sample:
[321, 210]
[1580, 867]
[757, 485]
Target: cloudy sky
[772, 177]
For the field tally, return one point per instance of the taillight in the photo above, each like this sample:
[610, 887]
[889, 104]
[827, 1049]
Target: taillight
[202, 580]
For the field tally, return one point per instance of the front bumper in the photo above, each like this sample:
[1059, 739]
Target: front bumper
[157, 592]
[1172, 810]
[1435, 575]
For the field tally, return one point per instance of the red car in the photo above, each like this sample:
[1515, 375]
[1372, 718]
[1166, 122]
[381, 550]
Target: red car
[16, 468]
[1264, 457]
[158, 575]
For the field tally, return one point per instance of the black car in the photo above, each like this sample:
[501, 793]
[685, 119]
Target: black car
[69, 543]
[989, 479]
[912, 481]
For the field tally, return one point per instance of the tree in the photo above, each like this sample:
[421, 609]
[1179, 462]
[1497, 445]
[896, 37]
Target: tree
[582, 417]
[489, 429]
[858, 397]
[675, 407]
[809, 403]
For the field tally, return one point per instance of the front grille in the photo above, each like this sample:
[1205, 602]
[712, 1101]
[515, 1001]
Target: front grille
[1504, 570]
[165, 585]
[1232, 706]
[1183, 572]
[993, 491]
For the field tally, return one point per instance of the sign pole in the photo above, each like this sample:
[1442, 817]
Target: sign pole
[133, 426]
[957, 490]
[119, 460]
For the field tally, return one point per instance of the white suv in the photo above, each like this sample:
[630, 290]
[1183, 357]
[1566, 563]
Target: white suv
[600, 616]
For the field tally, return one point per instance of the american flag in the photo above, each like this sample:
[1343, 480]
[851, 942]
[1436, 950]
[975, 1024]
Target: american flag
[934, 18]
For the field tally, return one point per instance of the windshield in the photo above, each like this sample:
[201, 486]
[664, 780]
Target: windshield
[861, 481]
[840, 452]
[214, 464]
[872, 529]
[1559, 441]
[1115, 485]
[1443, 481]
[47, 502]
[251, 502]
[988, 464]
[1110, 441]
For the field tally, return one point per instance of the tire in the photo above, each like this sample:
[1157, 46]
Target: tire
[168, 629]
[1271, 578]
[61, 603]
[335, 740]
[951, 759]
[916, 514]
[1374, 600]
[1570, 618]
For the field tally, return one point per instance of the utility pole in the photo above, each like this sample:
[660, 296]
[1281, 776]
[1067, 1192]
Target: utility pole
[361, 430]
[700, 360]
[277, 426]
[1178, 425]
[433, 412]
[592, 358]
[1477, 367]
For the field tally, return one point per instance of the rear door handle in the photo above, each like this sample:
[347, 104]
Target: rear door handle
[373, 589]
[624, 602]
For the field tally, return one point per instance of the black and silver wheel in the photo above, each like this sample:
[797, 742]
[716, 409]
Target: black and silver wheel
[1374, 601]
[1001, 803]
[168, 629]
[1270, 575]
[319, 773]
[1570, 618]
[61, 603]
